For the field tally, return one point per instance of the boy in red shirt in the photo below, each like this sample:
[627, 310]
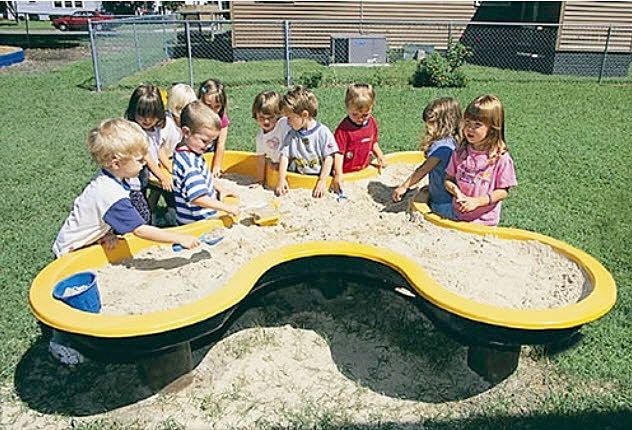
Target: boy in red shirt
[357, 134]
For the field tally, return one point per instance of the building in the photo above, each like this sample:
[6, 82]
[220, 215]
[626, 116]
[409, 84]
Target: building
[44, 10]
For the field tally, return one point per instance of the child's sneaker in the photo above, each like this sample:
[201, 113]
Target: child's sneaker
[65, 354]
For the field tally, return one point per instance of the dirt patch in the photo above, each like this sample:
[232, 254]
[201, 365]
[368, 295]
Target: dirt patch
[45, 59]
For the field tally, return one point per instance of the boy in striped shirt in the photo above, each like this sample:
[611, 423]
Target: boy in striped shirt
[197, 197]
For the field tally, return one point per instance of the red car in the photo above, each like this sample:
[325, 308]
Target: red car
[79, 20]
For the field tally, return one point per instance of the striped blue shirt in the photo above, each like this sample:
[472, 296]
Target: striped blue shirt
[191, 179]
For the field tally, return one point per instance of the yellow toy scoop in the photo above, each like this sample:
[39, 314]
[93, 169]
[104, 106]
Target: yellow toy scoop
[267, 215]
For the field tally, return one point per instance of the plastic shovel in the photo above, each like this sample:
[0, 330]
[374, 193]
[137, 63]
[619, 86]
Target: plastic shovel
[205, 238]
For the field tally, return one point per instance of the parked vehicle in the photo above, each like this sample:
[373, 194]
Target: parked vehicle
[79, 20]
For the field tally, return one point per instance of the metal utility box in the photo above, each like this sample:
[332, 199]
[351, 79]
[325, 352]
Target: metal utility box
[358, 48]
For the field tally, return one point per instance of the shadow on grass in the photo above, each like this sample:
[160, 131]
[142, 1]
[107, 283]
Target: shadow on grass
[48, 41]
[394, 351]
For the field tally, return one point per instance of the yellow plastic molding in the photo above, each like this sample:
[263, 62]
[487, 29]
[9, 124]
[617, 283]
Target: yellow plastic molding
[58, 315]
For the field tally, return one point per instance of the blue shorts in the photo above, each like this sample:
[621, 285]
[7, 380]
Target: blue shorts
[444, 210]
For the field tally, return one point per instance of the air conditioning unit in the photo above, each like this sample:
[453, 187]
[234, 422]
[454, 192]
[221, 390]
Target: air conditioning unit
[358, 48]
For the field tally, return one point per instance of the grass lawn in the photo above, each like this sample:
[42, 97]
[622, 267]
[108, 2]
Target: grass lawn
[569, 138]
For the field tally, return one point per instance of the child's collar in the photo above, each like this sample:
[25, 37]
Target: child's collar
[364, 124]
[109, 174]
[309, 131]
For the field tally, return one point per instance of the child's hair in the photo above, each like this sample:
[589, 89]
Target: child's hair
[489, 110]
[442, 118]
[299, 99]
[266, 103]
[360, 96]
[196, 115]
[146, 102]
[178, 97]
[215, 89]
[116, 138]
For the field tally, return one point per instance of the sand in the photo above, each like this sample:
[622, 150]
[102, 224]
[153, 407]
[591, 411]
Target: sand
[507, 273]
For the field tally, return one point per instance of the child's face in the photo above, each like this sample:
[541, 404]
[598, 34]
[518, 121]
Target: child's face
[359, 115]
[211, 101]
[128, 167]
[266, 122]
[296, 121]
[146, 122]
[474, 131]
[201, 139]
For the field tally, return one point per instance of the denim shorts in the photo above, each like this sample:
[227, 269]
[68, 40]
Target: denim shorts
[444, 210]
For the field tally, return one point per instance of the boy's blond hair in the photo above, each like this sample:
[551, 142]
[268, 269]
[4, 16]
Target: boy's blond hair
[442, 117]
[360, 96]
[116, 138]
[298, 100]
[197, 115]
[266, 103]
[178, 97]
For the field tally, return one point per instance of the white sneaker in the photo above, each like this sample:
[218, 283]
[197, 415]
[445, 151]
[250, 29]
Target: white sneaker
[65, 354]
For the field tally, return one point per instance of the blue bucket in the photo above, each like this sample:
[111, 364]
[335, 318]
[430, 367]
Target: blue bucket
[79, 291]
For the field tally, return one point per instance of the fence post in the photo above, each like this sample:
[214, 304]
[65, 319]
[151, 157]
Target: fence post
[93, 50]
[286, 36]
[28, 32]
[449, 33]
[164, 37]
[605, 53]
[189, 56]
[137, 48]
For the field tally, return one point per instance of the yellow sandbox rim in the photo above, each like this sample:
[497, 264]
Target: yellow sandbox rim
[58, 315]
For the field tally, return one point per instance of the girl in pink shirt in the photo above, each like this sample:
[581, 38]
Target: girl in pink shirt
[212, 94]
[481, 171]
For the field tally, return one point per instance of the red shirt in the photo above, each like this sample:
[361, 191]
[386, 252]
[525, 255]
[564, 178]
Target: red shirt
[356, 143]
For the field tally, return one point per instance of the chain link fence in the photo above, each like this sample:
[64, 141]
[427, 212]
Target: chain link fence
[287, 52]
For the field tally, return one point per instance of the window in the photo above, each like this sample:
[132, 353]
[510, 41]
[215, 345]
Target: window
[56, 4]
[78, 4]
[67, 4]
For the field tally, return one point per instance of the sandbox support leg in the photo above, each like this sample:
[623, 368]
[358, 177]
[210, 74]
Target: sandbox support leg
[169, 370]
[493, 365]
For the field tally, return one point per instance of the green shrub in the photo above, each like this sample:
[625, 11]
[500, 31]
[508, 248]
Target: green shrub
[310, 79]
[435, 70]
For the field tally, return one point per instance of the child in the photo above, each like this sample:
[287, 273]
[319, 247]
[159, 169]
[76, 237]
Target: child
[196, 196]
[104, 209]
[309, 147]
[147, 110]
[357, 134]
[178, 97]
[272, 131]
[212, 94]
[442, 118]
[481, 171]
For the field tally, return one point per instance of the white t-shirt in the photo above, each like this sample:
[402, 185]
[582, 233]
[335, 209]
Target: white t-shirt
[270, 143]
[170, 135]
[306, 149]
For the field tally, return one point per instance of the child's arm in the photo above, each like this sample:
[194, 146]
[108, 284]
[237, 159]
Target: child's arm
[207, 201]
[165, 182]
[451, 187]
[325, 171]
[337, 181]
[468, 204]
[377, 151]
[164, 159]
[282, 186]
[157, 235]
[419, 173]
[220, 147]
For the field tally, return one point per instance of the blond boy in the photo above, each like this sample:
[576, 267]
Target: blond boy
[309, 146]
[104, 210]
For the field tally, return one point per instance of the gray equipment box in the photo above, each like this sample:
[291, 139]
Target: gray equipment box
[358, 48]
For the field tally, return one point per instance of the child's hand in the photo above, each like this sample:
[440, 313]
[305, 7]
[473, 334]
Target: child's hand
[233, 210]
[109, 241]
[189, 241]
[319, 189]
[336, 184]
[467, 204]
[216, 171]
[398, 193]
[166, 184]
[381, 162]
[282, 188]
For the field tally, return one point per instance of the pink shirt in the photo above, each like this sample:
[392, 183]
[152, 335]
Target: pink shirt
[476, 177]
[224, 121]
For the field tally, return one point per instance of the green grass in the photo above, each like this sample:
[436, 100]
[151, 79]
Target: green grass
[569, 138]
[10, 25]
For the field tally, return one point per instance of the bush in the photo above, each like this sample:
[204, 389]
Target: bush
[311, 79]
[435, 70]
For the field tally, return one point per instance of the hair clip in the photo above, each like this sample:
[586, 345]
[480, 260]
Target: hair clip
[203, 89]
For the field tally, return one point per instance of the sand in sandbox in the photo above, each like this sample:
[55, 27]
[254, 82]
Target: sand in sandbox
[508, 273]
